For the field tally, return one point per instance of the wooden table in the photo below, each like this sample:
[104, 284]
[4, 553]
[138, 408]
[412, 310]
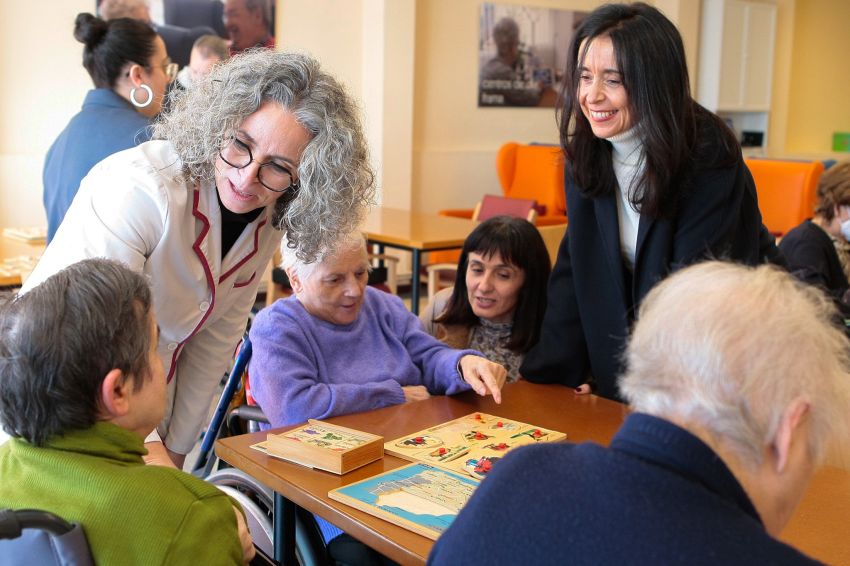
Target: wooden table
[415, 232]
[819, 528]
[10, 249]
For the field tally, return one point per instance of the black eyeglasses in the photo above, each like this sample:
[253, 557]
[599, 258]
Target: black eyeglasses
[271, 175]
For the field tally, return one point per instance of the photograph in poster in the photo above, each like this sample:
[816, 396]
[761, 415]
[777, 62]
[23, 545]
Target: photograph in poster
[521, 54]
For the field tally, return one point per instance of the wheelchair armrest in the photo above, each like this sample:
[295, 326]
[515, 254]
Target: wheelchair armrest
[12, 522]
[250, 413]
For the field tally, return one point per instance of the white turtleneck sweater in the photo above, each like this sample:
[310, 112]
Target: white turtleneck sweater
[627, 156]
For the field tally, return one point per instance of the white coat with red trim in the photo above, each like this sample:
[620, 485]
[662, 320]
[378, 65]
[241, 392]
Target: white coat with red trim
[135, 207]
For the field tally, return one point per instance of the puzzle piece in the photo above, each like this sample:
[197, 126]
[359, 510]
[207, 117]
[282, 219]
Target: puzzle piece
[417, 442]
[443, 454]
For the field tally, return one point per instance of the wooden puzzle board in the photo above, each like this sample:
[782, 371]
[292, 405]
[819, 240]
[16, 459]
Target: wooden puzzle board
[328, 437]
[424, 499]
[459, 445]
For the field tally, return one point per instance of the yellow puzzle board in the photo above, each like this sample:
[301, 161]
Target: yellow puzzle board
[452, 444]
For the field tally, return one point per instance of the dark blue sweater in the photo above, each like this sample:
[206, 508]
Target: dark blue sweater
[659, 495]
[107, 124]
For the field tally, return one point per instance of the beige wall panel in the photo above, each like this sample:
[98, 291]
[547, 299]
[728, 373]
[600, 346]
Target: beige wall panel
[820, 76]
[44, 84]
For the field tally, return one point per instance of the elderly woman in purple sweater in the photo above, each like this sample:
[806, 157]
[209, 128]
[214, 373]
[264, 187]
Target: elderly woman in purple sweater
[339, 347]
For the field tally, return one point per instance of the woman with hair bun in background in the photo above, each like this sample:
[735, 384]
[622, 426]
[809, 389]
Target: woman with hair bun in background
[130, 70]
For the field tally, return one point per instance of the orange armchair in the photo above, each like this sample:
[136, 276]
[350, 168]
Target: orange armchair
[786, 191]
[534, 172]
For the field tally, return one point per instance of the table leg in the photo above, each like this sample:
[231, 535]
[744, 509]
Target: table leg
[414, 281]
[284, 531]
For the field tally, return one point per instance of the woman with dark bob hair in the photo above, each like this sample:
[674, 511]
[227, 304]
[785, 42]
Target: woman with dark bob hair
[266, 144]
[654, 182]
[499, 297]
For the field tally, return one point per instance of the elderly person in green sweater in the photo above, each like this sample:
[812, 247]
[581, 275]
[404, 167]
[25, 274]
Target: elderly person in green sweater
[81, 386]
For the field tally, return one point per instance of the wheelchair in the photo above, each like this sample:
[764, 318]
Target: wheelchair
[29, 536]
[256, 499]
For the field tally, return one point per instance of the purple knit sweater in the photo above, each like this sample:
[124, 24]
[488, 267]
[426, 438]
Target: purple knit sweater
[305, 368]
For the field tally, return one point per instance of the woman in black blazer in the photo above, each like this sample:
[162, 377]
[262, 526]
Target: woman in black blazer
[654, 182]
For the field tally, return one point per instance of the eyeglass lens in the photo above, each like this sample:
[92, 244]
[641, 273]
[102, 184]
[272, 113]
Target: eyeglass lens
[271, 175]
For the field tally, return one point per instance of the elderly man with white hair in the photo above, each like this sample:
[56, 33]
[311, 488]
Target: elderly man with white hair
[735, 396]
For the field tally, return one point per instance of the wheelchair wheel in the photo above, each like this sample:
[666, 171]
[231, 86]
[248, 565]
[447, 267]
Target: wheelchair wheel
[258, 502]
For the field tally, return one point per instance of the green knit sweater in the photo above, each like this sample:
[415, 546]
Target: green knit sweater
[131, 513]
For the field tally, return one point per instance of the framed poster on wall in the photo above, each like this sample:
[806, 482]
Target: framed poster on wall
[522, 54]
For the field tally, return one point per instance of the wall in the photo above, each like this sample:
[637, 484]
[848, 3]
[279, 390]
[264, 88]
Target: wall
[819, 78]
[44, 84]
[369, 46]
[780, 110]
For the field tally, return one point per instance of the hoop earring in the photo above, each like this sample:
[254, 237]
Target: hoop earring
[147, 102]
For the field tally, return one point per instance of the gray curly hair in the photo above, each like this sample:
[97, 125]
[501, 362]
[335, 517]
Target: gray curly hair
[334, 177]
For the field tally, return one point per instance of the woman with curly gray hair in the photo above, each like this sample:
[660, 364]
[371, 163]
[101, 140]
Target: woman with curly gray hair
[267, 144]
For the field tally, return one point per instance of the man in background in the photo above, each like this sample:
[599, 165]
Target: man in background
[507, 79]
[249, 24]
[738, 378]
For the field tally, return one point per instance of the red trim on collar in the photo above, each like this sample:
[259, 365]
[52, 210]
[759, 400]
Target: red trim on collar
[247, 257]
[196, 246]
[245, 283]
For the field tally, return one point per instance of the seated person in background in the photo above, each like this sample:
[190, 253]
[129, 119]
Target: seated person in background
[337, 346]
[207, 51]
[733, 408]
[130, 69]
[499, 297]
[81, 386]
[811, 248]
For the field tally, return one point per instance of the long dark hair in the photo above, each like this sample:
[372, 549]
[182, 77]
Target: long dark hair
[519, 243]
[110, 45]
[651, 59]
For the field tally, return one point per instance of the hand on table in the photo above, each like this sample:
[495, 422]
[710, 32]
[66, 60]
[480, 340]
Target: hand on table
[415, 393]
[245, 539]
[484, 376]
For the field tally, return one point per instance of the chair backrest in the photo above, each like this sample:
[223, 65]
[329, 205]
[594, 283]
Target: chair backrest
[552, 237]
[533, 172]
[493, 205]
[787, 191]
[28, 536]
